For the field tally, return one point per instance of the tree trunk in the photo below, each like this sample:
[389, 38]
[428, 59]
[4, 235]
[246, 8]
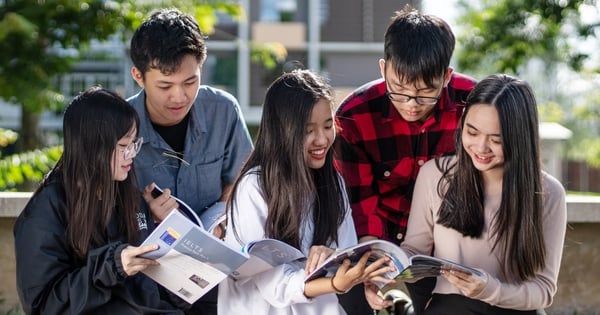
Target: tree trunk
[29, 139]
[29, 136]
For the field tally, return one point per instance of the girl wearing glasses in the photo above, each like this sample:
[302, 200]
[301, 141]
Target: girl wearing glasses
[75, 239]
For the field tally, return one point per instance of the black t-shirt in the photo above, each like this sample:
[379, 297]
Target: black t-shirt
[174, 135]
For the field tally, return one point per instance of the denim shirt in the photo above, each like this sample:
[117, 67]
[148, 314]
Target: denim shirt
[217, 143]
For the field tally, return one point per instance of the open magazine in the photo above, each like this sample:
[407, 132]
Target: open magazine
[266, 254]
[193, 261]
[209, 218]
[415, 267]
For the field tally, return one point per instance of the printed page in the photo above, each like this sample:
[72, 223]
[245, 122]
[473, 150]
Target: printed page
[185, 276]
[266, 254]
[378, 248]
[192, 261]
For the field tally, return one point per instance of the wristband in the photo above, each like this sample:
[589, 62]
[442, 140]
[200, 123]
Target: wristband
[338, 291]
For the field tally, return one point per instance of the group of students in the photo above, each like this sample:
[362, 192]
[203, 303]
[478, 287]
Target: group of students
[462, 158]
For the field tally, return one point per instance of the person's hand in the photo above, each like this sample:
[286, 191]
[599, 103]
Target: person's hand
[160, 206]
[133, 264]
[374, 298]
[317, 255]
[347, 277]
[468, 284]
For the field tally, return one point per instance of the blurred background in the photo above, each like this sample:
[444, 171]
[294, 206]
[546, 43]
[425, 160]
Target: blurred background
[50, 50]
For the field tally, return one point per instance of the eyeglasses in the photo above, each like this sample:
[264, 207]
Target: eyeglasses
[132, 150]
[421, 100]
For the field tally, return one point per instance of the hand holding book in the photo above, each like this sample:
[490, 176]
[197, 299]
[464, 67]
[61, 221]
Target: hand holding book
[423, 266]
[406, 268]
[316, 256]
[192, 261]
[212, 218]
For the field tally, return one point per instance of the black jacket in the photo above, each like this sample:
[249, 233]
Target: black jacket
[50, 280]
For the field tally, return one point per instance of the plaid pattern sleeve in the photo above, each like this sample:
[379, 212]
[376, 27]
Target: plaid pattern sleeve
[379, 154]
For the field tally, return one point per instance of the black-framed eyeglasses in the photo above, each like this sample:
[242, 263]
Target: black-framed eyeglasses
[421, 100]
[132, 149]
[405, 98]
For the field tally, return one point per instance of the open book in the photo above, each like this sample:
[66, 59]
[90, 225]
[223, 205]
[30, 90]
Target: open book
[193, 261]
[415, 267]
[209, 218]
[266, 254]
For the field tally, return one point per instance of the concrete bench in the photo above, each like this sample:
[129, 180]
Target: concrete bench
[578, 285]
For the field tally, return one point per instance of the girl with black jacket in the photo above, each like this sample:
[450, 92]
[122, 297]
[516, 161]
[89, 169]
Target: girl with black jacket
[76, 239]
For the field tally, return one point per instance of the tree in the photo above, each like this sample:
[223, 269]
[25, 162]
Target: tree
[37, 40]
[32, 44]
[505, 34]
[34, 38]
[537, 40]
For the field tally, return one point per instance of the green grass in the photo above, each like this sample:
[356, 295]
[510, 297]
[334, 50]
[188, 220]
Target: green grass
[583, 193]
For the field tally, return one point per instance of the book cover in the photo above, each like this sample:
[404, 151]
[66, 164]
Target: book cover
[192, 261]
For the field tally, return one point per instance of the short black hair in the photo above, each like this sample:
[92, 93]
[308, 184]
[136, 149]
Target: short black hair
[164, 39]
[418, 47]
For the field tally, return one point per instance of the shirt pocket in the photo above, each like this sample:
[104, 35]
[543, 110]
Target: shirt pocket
[208, 176]
[394, 174]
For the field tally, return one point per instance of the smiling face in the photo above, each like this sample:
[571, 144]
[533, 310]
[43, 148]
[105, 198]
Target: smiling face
[169, 98]
[320, 133]
[482, 140]
[119, 165]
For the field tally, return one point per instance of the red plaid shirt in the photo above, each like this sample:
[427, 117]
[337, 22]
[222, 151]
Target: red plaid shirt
[379, 153]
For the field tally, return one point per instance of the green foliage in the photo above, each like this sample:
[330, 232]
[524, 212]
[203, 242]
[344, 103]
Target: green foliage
[34, 38]
[269, 54]
[205, 12]
[584, 122]
[41, 40]
[28, 166]
[504, 35]
[551, 112]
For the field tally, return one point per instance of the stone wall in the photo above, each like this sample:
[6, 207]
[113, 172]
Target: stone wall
[578, 283]
[8, 290]
[579, 278]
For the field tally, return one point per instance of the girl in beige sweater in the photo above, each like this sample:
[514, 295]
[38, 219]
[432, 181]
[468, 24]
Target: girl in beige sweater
[491, 207]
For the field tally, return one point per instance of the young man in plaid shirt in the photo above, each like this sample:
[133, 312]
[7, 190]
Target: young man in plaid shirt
[390, 127]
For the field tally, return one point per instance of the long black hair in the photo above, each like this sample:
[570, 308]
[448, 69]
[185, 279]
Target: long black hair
[93, 124]
[517, 226]
[290, 188]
